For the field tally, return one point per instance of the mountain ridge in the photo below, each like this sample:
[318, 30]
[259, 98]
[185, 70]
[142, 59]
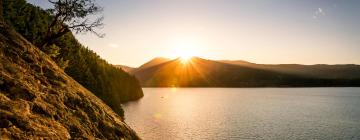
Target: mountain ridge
[220, 71]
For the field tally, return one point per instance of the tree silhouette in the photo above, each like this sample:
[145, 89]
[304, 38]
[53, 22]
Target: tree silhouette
[72, 15]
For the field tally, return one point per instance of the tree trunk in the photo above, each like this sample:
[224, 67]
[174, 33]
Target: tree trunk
[50, 40]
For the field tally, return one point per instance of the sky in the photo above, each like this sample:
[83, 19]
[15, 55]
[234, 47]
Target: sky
[259, 31]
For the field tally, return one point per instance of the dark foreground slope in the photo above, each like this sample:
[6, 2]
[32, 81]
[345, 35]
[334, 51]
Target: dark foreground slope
[37, 99]
[112, 85]
[200, 72]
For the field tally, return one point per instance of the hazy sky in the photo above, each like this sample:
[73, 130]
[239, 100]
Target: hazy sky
[260, 31]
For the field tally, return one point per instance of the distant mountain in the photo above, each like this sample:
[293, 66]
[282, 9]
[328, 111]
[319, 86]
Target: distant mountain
[152, 62]
[199, 72]
[125, 68]
[345, 71]
[237, 62]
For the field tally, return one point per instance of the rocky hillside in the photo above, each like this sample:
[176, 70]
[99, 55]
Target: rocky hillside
[37, 99]
[112, 85]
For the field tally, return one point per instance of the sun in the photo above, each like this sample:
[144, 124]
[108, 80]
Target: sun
[185, 60]
[184, 54]
[185, 50]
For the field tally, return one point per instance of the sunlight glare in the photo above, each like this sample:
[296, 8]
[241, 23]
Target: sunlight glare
[185, 49]
[185, 59]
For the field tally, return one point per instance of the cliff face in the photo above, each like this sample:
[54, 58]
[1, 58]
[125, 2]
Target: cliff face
[37, 99]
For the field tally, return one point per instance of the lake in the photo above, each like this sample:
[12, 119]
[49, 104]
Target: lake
[246, 113]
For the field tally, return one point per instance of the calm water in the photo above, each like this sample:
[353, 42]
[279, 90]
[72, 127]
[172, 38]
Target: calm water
[246, 113]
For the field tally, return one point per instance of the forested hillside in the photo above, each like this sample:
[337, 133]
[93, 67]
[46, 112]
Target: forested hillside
[109, 83]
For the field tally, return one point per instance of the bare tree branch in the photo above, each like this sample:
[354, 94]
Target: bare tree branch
[73, 15]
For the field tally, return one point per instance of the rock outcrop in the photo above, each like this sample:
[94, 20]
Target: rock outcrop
[37, 99]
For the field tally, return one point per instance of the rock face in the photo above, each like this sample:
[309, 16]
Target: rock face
[37, 99]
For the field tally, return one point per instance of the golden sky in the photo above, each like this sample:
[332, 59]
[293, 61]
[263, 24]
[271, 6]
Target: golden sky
[260, 31]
